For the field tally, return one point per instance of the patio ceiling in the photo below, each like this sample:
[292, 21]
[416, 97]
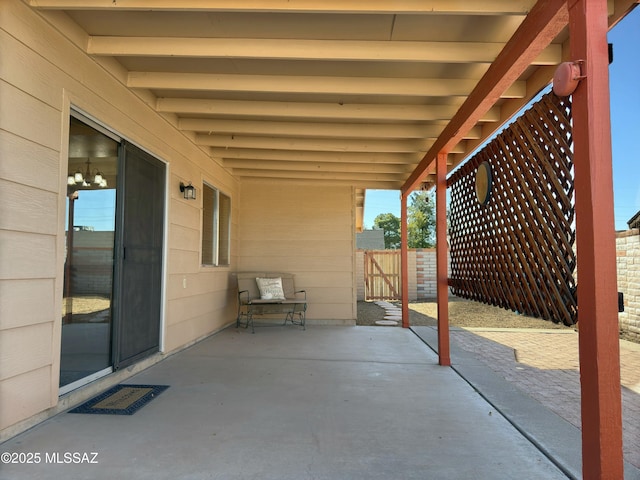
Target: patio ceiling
[318, 91]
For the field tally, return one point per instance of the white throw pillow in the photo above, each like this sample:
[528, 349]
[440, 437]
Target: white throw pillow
[270, 288]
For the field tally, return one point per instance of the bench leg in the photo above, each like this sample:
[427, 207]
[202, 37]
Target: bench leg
[250, 321]
[291, 317]
[249, 316]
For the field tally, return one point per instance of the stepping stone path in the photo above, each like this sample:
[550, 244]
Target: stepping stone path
[393, 314]
[387, 323]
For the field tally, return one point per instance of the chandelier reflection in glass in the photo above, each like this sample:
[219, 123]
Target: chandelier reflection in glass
[78, 179]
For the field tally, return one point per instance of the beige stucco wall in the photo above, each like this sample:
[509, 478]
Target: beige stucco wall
[305, 230]
[360, 286]
[42, 74]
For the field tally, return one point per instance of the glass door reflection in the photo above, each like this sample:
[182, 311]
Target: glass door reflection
[90, 237]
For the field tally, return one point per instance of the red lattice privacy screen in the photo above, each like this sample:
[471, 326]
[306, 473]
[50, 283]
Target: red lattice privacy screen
[516, 250]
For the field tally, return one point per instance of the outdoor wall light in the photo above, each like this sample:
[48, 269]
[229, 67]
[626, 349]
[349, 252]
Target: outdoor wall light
[188, 191]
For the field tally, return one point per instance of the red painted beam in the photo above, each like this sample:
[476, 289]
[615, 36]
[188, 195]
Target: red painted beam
[442, 274]
[404, 260]
[602, 455]
[543, 23]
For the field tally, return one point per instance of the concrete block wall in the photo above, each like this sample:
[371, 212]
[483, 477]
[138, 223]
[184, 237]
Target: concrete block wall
[426, 273]
[628, 260]
[92, 268]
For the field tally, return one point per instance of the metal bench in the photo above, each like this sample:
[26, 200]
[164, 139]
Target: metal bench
[292, 304]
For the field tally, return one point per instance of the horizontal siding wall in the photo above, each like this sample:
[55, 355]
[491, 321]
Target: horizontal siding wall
[307, 231]
[42, 73]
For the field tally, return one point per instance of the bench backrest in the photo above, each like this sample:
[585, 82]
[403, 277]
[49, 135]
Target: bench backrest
[247, 281]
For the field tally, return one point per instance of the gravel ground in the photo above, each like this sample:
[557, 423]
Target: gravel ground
[462, 313]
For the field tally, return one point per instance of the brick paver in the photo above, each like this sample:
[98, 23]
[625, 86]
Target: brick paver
[544, 364]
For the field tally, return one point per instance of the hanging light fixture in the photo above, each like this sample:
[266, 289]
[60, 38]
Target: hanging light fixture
[77, 177]
[84, 180]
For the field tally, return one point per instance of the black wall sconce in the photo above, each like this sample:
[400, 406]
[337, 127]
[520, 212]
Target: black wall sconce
[188, 191]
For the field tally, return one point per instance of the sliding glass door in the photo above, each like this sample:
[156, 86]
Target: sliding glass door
[89, 265]
[112, 302]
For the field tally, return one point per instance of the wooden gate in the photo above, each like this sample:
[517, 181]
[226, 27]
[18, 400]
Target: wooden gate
[382, 275]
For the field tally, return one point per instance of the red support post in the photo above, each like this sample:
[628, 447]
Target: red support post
[602, 455]
[442, 274]
[404, 260]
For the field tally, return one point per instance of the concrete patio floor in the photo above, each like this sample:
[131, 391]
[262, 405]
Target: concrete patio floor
[325, 403]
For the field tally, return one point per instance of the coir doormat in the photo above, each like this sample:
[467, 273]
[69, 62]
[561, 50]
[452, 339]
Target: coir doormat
[121, 400]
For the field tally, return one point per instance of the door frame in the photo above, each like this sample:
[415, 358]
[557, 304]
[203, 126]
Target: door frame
[84, 116]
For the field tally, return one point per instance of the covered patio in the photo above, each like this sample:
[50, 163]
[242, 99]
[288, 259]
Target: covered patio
[279, 114]
[328, 402]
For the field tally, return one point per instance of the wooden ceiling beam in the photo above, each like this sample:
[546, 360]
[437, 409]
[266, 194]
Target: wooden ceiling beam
[466, 7]
[356, 184]
[314, 110]
[319, 166]
[541, 26]
[314, 157]
[318, 129]
[302, 49]
[314, 129]
[315, 85]
[365, 178]
[314, 144]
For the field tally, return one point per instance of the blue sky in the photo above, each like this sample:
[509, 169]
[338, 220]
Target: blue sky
[625, 122]
[95, 208]
[625, 117]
